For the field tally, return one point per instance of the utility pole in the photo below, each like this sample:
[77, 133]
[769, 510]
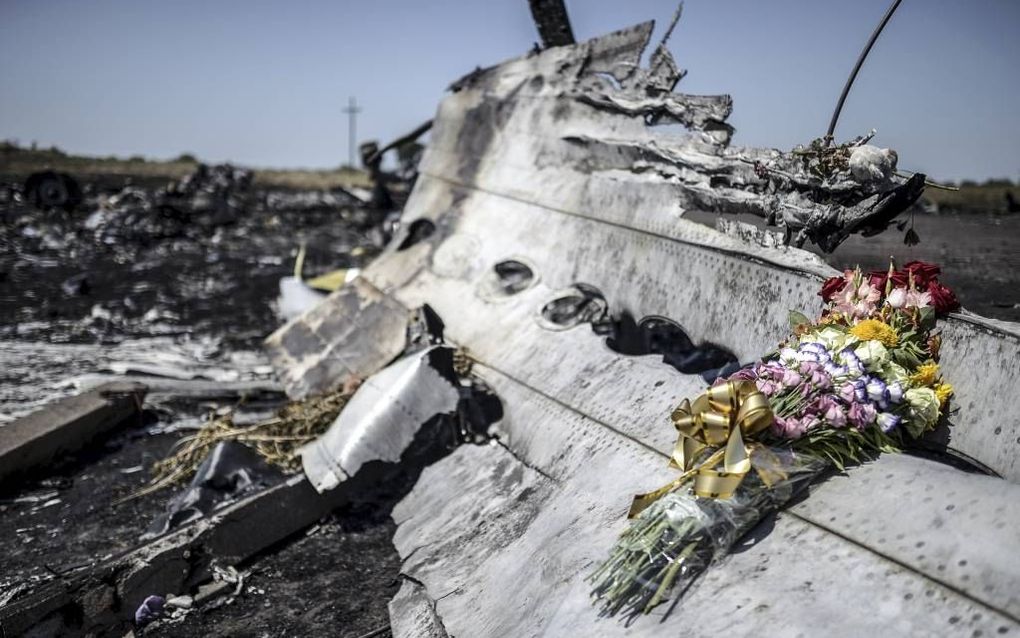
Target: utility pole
[352, 111]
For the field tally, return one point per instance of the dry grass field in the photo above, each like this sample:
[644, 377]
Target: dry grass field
[17, 162]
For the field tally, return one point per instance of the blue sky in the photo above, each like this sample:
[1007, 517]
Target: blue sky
[263, 83]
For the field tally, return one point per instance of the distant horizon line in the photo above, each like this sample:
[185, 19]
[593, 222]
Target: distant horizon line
[186, 156]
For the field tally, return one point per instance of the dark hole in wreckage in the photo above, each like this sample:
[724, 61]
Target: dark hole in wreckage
[417, 231]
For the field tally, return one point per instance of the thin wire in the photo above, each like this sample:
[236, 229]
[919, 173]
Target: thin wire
[857, 68]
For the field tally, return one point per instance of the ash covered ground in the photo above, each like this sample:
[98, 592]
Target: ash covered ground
[147, 275]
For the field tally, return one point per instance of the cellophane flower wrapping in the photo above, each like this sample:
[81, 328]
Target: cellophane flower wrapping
[672, 542]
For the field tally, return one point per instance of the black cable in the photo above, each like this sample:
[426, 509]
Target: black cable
[857, 67]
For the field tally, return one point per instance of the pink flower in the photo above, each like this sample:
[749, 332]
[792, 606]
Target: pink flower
[831, 411]
[867, 292]
[816, 375]
[745, 374]
[780, 426]
[773, 370]
[848, 392]
[790, 378]
[768, 388]
[809, 422]
[790, 428]
[862, 415]
[917, 299]
[857, 301]
[807, 367]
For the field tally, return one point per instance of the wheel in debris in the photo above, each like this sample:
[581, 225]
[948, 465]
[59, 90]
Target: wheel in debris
[48, 189]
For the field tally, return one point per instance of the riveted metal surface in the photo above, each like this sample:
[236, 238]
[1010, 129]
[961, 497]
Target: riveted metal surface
[516, 562]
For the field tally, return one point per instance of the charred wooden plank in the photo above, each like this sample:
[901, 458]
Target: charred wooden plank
[66, 426]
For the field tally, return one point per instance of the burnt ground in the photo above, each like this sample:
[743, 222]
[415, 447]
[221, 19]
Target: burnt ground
[205, 278]
[87, 278]
[335, 580]
[148, 276]
[75, 519]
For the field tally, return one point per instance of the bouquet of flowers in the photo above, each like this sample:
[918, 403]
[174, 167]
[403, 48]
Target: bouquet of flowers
[860, 380]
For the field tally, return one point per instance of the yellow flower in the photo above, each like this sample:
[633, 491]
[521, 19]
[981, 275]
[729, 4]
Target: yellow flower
[943, 391]
[875, 330]
[926, 374]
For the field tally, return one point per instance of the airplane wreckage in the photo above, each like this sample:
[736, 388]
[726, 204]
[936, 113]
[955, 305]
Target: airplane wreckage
[547, 207]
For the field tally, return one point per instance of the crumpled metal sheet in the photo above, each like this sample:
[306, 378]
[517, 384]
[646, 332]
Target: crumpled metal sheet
[230, 471]
[381, 419]
[354, 332]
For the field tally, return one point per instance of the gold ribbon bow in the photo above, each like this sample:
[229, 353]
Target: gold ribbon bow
[724, 414]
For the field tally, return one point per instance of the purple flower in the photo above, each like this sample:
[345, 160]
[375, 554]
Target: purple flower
[887, 421]
[813, 346]
[853, 363]
[877, 392]
[835, 371]
[862, 415]
[861, 390]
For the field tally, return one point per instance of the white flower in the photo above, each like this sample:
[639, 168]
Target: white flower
[887, 421]
[894, 373]
[834, 340]
[924, 405]
[788, 356]
[872, 354]
[895, 392]
[897, 298]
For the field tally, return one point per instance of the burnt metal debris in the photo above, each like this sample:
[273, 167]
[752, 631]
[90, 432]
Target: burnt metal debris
[230, 471]
[49, 189]
[553, 22]
[383, 417]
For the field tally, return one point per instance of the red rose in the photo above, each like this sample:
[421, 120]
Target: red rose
[831, 286]
[942, 298]
[878, 278]
[923, 272]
